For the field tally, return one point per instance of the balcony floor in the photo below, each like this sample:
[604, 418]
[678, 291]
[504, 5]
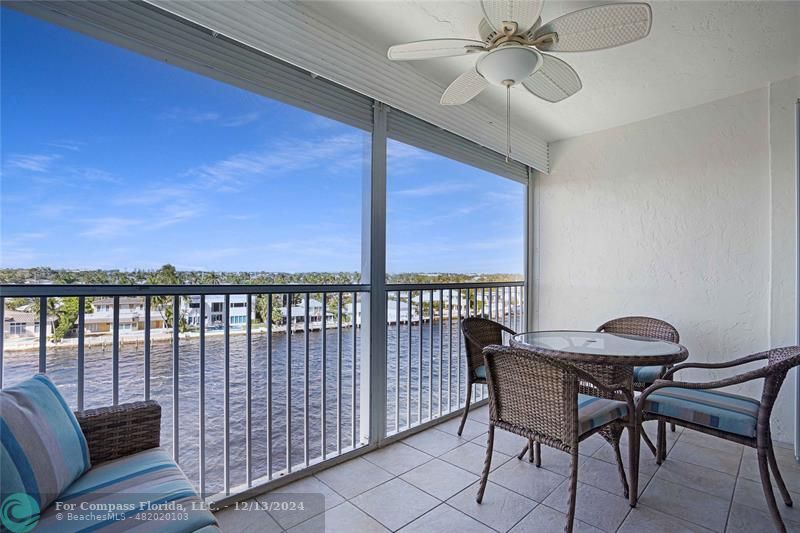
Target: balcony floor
[427, 483]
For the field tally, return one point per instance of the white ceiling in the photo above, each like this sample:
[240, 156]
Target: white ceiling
[697, 52]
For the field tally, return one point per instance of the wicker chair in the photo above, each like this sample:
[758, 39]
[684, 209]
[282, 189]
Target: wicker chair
[747, 421]
[478, 334]
[120, 430]
[537, 397]
[643, 376]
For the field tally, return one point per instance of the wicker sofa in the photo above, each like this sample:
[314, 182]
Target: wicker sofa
[128, 467]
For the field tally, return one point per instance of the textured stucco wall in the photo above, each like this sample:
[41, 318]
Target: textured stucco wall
[669, 217]
[783, 276]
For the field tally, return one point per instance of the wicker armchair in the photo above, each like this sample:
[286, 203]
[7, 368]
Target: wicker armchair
[643, 376]
[696, 406]
[537, 397]
[478, 334]
[120, 430]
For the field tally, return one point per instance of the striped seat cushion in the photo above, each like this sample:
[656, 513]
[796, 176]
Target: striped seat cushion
[151, 477]
[647, 374]
[594, 412]
[43, 447]
[710, 408]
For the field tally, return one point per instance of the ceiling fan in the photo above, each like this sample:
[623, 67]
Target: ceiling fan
[512, 43]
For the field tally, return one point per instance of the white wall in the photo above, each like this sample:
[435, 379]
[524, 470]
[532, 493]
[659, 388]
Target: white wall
[669, 217]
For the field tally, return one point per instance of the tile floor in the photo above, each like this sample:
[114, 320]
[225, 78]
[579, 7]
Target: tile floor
[427, 483]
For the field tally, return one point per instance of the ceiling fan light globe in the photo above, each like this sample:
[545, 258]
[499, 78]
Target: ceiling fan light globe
[509, 63]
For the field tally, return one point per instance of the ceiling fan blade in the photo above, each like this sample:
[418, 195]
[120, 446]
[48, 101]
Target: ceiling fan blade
[464, 88]
[523, 12]
[434, 48]
[597, 28]
[554, 81]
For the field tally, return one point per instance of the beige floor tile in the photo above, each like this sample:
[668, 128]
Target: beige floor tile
[398, 458]
[305, 489]
[395, 503]
[481, 414]
[686, 503]
[433, 442]
[642, 519]
[596, 507]
[709, 441]
[745, 519]
[524, 478]
[501, 508]
[344, 518]
[707, 457]
[591, 445]
[751, 493]
[697, 477]
[605, 476]
[445, 518]
[353, 477]
[504, 442]
[246, 520]
[789, 468]
[439, 478]
[472, 428]
[544, 519]
[471, 457]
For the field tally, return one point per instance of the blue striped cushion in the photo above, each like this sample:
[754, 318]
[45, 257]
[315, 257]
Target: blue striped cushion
[481, 372]
[647, 374]
[150, 476]
[710, 408]
[595, 412]
[43, 447]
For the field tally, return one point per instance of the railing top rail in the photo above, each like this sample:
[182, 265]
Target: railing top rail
[393, 287]
[32, 291]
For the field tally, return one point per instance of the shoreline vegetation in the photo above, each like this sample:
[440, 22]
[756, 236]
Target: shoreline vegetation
[65, 310]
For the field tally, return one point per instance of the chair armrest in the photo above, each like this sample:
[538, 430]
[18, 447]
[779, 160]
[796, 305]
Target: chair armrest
[725, 364]
[733, 380]
[120, 430]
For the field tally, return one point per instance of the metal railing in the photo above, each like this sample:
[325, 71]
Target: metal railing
[426, 365]
[272, 388]
[243, 403]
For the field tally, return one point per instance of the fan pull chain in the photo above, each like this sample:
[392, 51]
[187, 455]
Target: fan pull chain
[508, 83]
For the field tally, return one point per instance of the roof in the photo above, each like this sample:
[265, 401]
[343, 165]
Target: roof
[13, 315]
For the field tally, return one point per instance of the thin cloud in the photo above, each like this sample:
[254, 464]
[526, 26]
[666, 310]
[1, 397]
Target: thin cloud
[241, 120]
[336, 152]
[435, 189]
[192, 116]
[33, 162]
[66, 144]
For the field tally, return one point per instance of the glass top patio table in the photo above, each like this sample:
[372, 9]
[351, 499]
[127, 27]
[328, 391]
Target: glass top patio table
[603, 348]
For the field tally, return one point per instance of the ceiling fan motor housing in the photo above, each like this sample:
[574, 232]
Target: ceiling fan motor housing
[509, 65]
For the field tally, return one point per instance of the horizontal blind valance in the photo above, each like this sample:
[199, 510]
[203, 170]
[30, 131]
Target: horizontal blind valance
[411, 130]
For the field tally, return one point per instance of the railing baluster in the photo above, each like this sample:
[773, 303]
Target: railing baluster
[248, 443]
[339, 375]
[408, 374]
[441, 345]
[81, 350]
[458, 335]
[324, 385]
[419, 357]
[430, 356]
[147, 305]
[450, 350]
[43, 335]
[202, 399]
[306, 388]
[269, 385]
[176, 322]
[115, 352]
[226, 315]
[397, 369]
[288, 382]
[353, 375]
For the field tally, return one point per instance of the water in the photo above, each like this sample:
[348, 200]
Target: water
[415, 381]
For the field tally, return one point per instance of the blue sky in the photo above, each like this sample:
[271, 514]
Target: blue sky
[113, 160]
